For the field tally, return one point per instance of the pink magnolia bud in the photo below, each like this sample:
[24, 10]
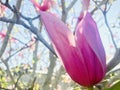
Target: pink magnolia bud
[82, 54]
[85, 4]
[46, 4]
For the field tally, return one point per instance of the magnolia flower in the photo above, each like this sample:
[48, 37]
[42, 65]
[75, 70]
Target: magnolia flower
[82, 53]
[46, 4]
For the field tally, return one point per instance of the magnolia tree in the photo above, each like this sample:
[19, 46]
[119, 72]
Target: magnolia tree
[59, 45]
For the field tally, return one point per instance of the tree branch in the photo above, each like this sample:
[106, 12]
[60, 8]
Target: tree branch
[17, 81]
[64, 11]
[71, 5]
[98, 6]
[4, 45]
[116, 59]
[9, 73]
[50, 72]
[30, 27]
[104, 12]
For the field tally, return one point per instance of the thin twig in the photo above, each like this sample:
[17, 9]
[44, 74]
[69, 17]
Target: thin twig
[24, 47]
[17, 81]
[111, 34]
[31, 28]
[104, 12]
[98, 5]
[116, 59]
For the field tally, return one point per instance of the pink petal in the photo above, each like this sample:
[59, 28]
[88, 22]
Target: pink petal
[84, 60]
[46, 4]
[57, 31]
[85, 4]
[37, 5]
[64, 44]
[89, 43]
[2, 34]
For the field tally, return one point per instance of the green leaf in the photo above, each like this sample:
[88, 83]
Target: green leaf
[116, 86]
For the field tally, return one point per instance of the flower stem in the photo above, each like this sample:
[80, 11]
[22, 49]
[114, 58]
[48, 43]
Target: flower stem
[90, 88]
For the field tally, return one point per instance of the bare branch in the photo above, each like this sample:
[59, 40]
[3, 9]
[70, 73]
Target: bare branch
[104, 12]
[111, 34]
[24, 47]
[31, 28]
[71, 5]
[98, 5]
[10, 74]
[113, 71]
[50, 71]
[106, 22]
[114, 61]
[63, 4]
[64, 11]
[33, 83]
[8, 5]
[17, 81]
[18, 4]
